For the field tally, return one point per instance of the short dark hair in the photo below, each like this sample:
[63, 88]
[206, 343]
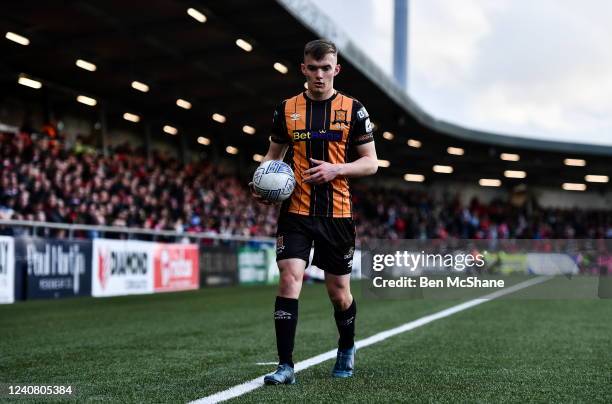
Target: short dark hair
[319, 48]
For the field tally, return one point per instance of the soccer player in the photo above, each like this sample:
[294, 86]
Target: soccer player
[318, 127]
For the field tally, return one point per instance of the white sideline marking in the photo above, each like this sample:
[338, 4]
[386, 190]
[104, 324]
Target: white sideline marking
[266, 363]
[253, 384]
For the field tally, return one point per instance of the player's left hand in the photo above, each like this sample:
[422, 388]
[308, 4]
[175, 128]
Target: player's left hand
[258, 197]
[321, 173]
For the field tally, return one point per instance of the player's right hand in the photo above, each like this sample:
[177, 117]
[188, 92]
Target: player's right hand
[258, 197]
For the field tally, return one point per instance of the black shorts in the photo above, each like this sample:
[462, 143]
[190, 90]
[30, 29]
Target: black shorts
[334, 241]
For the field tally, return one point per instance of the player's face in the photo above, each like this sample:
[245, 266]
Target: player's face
[320, 73]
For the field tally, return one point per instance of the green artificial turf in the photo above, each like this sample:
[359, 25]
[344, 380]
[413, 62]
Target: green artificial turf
[183, 346]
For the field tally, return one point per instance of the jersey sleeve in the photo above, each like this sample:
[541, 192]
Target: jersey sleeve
[361, 128]
[279, 126]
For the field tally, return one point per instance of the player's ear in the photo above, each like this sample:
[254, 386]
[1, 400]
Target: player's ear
[337, 70]
[303, 68]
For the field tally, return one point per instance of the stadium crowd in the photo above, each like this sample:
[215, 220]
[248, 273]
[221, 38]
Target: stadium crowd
[41, 180]
[418, 215]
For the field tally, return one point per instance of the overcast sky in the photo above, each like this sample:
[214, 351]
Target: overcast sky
[539, 68]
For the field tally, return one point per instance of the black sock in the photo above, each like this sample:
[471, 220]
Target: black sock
[345, 320]
[285, 322]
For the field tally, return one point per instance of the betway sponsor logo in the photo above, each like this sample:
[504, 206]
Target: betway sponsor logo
[329, 135]
[120, 263]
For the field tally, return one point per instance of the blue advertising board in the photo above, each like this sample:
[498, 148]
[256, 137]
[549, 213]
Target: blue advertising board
[54, 268]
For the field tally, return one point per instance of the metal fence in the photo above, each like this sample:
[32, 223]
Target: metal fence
[84, 231]
[218, 253]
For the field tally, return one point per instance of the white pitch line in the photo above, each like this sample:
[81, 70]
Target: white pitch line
[266, 363]
[253, 384]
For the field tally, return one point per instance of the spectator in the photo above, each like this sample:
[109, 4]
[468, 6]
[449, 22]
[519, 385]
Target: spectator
[40, 180]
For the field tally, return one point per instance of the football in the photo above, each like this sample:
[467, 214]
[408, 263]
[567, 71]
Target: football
[274, 181]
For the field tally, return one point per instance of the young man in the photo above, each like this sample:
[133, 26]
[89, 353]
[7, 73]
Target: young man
[318, 127]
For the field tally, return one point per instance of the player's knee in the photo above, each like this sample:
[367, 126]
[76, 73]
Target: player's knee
[340, 297]
[289, 278]
[341, 302]
[290, 282]
[289, 289]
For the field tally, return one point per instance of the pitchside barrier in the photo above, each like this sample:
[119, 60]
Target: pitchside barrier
[52, 268]
[100, 261]
[55, 260]
[44, 268]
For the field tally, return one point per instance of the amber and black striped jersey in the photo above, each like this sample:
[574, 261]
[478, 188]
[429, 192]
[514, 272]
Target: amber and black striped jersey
[322, 130]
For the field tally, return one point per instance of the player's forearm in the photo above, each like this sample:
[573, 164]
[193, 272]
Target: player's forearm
[268, 157]
[361, 167]
[275, 152]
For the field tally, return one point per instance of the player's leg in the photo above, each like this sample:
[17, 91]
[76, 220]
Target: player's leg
[345, 308]
[286, 306]
[286, 317]
[334, 254]
[345, 314]
[292, 254]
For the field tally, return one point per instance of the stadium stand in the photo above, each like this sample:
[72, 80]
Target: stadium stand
[418, 215]
[42, 180]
